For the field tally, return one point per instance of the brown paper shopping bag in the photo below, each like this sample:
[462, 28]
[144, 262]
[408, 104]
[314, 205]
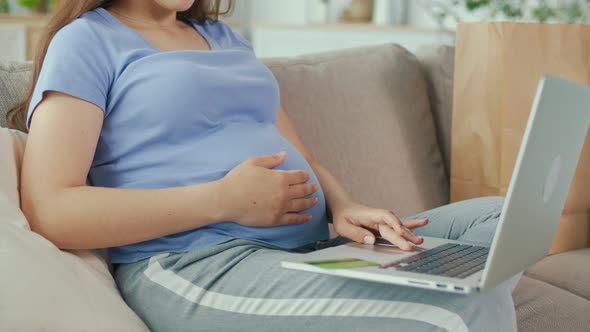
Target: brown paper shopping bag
[497, 71]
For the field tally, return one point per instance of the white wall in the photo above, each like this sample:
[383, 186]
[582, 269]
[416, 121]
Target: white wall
[297, 11]
[292, 11]
[277, 11]
[418, 15]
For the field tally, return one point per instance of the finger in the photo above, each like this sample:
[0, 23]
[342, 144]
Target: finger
[393, 221]
[401, 230]
[294, 218]
[372, 226]
[302, 190]
[295, 177]
[409, 235]
[355, 233]
[392, 236]
[300, 204]
[270, 161]
[412, 224]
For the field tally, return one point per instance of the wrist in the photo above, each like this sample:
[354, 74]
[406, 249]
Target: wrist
[224, 201]
[337, 204]
[217, 202]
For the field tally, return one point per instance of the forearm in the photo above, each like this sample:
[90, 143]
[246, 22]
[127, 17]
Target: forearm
[335, 194]
[90, 217]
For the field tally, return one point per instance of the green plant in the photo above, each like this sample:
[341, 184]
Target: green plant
[39, 6]
[475, 4]
[563, 11]
[4, 6]
[571, 11]
[30, 4]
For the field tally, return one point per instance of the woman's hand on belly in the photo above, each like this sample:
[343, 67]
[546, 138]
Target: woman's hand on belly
[259, 196]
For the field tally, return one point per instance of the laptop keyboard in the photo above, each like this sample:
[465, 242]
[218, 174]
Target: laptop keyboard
[448, 260]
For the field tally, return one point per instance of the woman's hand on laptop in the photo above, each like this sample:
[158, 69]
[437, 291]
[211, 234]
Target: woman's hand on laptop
[355, 221]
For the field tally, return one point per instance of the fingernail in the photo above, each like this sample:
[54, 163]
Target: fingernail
[280, 154]
[315, 199]
[369, 239]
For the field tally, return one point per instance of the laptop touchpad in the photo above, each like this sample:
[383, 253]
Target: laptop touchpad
[386, 249]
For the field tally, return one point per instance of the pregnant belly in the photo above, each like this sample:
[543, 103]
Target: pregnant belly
[245, 142]
[209, 156]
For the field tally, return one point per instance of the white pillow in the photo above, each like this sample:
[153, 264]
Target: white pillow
[44, 288]
[12, 145]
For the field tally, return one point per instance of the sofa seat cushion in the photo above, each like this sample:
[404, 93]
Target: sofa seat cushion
[541, 307]
[365, 114]
[569, 271]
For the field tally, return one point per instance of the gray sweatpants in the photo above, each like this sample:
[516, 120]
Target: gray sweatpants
[241, 286]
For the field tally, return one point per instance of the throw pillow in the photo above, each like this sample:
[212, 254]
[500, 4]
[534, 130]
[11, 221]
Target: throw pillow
[44, 288]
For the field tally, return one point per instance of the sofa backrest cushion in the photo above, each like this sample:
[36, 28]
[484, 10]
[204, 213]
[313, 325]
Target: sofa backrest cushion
[438, 62]
[14, 80]
[365, 114]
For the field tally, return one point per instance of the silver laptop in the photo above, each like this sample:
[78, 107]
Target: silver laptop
[542, 176]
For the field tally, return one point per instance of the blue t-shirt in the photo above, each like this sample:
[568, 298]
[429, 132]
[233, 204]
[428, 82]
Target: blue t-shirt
[175, 118]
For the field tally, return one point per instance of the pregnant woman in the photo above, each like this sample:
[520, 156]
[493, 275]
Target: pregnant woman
[200, 186]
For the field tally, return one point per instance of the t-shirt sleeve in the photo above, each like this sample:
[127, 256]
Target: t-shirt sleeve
[241, 39]
[75, 64]
[234, 37]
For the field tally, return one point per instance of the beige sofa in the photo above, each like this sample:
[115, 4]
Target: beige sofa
[379, 117]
